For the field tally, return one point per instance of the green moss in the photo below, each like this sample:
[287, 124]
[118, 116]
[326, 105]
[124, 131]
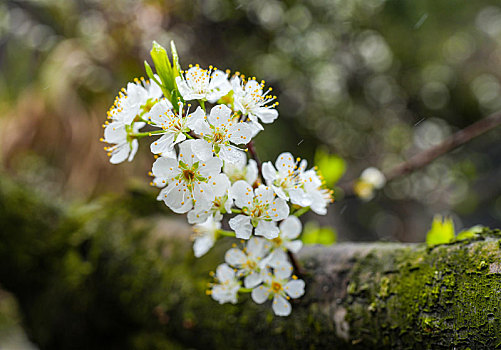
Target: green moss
[452, 277]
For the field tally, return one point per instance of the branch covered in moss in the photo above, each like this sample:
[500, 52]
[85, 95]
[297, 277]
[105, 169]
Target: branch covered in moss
[104, 276]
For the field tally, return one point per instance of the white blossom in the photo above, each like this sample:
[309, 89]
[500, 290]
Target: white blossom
[241, 170]
[123, 145]
[174, 125]
[137, 99]
[370, 180]
[221, 132]
[190, 180]
[280, 287]
[249, 261]
[260, 208]
[320, 196]
[226, 290]
[286, 180]
[251, 101]
[220, 205]
[205, 235]
[203, 84]
[290, 229]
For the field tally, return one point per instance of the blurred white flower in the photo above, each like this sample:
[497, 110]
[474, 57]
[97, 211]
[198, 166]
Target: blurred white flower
[226, 290]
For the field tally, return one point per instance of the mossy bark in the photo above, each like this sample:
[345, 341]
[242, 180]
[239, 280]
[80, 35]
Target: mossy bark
[106, 276]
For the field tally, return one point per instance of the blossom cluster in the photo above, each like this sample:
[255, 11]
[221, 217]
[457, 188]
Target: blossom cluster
[202, 122]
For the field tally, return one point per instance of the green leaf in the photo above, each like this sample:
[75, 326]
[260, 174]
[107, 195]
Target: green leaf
[332, 167]
[163, 68]
[166, 71]
[470, 232]
[441, 232]
[150, 74]
[312, 234]
[176, 68]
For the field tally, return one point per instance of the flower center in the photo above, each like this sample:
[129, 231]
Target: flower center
[251, 264]
[218, 137]
[278, 241]
[276, 287]
[189, 175]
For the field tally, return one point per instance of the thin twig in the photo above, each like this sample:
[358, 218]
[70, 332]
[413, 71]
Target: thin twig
[424, 158]
[295, 264]
[253, 154]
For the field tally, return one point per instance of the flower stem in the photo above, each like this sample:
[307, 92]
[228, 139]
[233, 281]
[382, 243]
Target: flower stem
[245, 290]
[236, 211]
[202, 104]
[148, 133]
[301, 211]
[226, 233]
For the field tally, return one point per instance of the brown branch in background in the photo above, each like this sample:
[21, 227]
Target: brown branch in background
[424, 158]
[253, 154]
[295, 264]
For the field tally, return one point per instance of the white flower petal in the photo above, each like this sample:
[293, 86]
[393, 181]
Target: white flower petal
[120, 153]
[242, 226]
[291, 227]
[282, 209]
[260, 294]
[283, 270]
[202, 245]
[285, 163]
[220, 116]
[299, 197]
[210, 167]
[280, 306]
[294, 288]
[267, 229]
[269, 172]
[230, 154]
[162, 144]
[115, 132]
[252, 171]
[253, 280]
[134, 145]
[255, 248]
[242, 192]
[267, 115]
[202, 149]
[221, 185]
[265, 194]
[164, 169]
[195, 117]
[241, 133]
[235, 257]
[225, 273]
[294, 246]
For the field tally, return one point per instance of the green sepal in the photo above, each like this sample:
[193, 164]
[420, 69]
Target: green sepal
[167, 72]
[150, 74]
[176, 67]
[183, 164]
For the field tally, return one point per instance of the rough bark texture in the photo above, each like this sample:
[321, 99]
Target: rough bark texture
[106, 276]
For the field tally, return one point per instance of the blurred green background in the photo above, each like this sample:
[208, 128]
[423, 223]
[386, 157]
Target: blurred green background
[372, 81]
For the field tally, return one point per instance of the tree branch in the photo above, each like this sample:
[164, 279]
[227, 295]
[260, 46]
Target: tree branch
[424, 158]
[102, 277]
[253, 154]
